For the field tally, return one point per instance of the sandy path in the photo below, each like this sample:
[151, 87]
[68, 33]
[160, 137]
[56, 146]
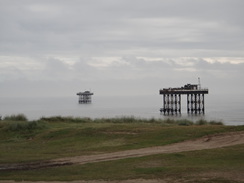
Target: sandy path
[207, 142]
[99, 181]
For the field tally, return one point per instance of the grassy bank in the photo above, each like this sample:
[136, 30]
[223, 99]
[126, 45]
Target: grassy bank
[55, 137]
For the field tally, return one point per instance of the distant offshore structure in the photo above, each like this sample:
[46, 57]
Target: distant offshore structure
[85, 97]
[172, 99]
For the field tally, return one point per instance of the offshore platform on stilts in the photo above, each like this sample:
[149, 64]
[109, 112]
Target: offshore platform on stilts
[85, 97]
[172, 99]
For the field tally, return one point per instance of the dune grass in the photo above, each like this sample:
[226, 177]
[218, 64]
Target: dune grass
[56, 137]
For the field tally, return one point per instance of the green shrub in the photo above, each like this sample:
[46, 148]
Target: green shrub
[66, 119]
[216, 123]
[201, 122]
[123, 119]
[184, 122]
[204, 122]
[169, 121]
[18, 117]
[81, 120]
[24, 126]
[53, 119]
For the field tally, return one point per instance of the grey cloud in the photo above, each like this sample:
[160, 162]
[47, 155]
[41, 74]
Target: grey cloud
[202, 64]
[83, 71]
[139, 75]
[148, 38]
[107, 27]
[10, 73]
[54, 69]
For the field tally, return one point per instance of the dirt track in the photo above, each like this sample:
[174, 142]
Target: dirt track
[207, 142]
[100, 181]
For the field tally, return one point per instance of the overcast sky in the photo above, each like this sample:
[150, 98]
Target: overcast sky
[120, 47]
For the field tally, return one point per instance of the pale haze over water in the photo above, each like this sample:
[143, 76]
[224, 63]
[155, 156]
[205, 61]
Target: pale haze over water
[227, 110]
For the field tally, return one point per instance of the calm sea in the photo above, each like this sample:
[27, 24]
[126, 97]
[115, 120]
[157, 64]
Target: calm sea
[227, 110]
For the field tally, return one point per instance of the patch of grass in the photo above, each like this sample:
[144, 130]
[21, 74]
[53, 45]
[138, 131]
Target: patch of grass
[58, 137]
[151, 170]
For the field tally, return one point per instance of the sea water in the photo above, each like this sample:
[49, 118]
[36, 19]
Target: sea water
[218, 108]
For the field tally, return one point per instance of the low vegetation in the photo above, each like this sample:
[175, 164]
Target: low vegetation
[18, 117]
[57, 137]
[182, 122]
